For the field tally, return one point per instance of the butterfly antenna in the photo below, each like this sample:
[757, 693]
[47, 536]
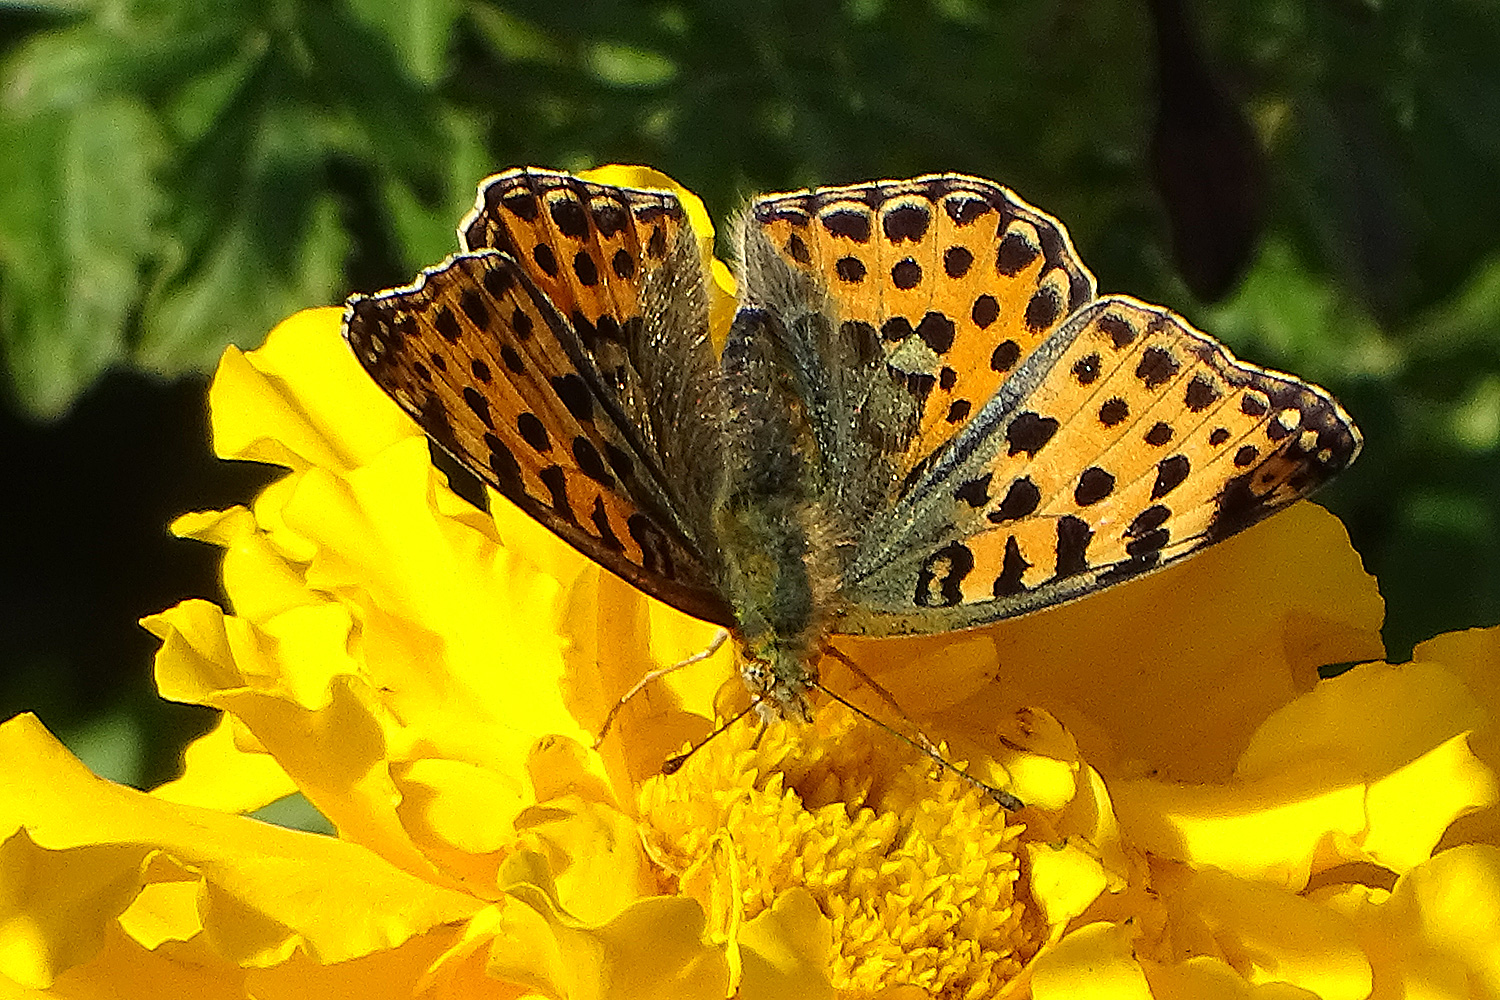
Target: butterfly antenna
[674, 764]
[655, 675]
[922, 743]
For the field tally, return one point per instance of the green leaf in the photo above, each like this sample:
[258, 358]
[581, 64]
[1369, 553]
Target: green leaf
[79, 207]
[628, 66]
[274, 245]
[427, 232]
[419, 30]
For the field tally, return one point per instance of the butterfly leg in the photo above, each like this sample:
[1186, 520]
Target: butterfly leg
[922, 742]
[655, 675]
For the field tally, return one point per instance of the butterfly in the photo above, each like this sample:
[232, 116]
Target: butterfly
[923, 418]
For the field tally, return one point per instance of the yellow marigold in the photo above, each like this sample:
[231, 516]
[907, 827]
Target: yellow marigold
[1205, 817]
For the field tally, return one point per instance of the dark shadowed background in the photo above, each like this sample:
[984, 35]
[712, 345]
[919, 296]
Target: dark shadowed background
[1318, 184]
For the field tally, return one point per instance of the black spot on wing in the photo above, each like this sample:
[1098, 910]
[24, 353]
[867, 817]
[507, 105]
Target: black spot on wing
[1043, 309]
[1113, 412]
[1073, 537]
[957, 261]
[1015, 254]
[1093, 485]
[1021, 499]
[937, 332]
[796, 248]
[656, 551]
[1170, 472]
[556, 480]
[1201, 393]
[534, 432]
[604, 531]
[572, 221]
[906, 274]
[545, 259]
[522, 204]
[1012, 569]
[622, 264]
[1157, 366]
[575, 395]
[590, 462]
[986, 310]
[906, 222]
[479, 405]
[940, 580]
[848, 224]
[1087, 368]
[965, 210]
[1029, 432]
[1005, 356]
[1121, 334]
[850, 269]
[502, 462]
[975, 493]
[585, 269]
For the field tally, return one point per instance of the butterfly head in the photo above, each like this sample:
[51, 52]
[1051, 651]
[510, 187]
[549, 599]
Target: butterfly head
[779, 679]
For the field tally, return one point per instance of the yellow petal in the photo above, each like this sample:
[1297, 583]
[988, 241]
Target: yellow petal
[1472, 654]
[266, 891]
[594, 854]
[1437, 933]
[336, 753]
[289, 403]
[1328, 779]
[1205, 977]
[1095, 962]
[257, 573]
[1065, 880]
[56, 905]
[1268, 830]
[218, 774]
[1268, 935]
[654, 948]
[786, 950]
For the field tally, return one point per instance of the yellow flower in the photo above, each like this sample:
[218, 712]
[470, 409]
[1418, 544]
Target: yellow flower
[1204, 817]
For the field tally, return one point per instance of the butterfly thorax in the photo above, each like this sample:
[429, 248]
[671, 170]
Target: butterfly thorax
[777, 536]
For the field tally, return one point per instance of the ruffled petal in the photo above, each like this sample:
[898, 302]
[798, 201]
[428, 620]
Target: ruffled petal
[1327, 780]
[79, 853]
[1437, 932]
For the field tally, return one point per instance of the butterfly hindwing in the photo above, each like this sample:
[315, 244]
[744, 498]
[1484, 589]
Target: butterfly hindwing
[486, 364]
[1129, 442]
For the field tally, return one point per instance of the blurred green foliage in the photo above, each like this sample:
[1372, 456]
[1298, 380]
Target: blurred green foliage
[178, 175]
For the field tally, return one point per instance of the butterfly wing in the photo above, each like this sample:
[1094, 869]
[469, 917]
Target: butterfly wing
[622, 267]
[484, 355]
[1127, 442]
[1015, 442]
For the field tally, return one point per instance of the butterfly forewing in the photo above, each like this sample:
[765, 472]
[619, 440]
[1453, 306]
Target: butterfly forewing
[483, 361]
[587, 246]
[1130, 442]
[956, 279]
[622, 266]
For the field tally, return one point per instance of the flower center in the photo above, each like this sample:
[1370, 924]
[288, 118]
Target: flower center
[917, 872]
